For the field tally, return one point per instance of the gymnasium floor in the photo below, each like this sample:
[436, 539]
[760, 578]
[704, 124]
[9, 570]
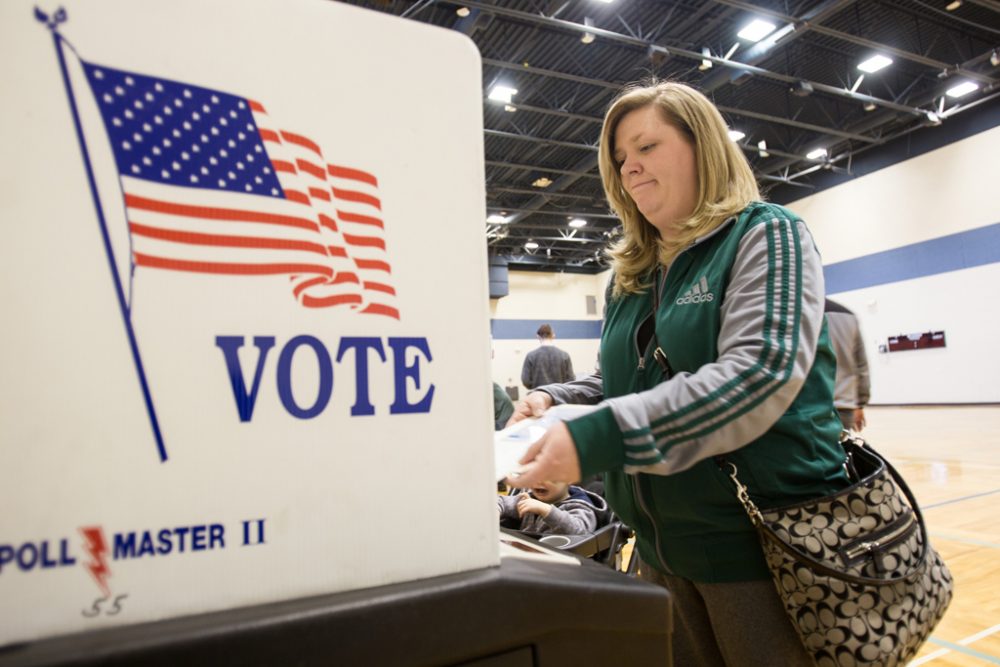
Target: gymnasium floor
[950, 457]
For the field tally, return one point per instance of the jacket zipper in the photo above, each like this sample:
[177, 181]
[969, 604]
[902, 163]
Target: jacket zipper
[649, 517]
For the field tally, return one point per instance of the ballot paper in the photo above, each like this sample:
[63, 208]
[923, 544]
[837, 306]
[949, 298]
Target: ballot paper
[510, 444]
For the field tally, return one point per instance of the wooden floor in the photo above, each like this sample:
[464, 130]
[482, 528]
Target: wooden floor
[950, 457]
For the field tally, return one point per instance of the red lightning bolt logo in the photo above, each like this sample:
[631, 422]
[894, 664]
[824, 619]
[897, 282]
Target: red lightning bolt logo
[96, 546]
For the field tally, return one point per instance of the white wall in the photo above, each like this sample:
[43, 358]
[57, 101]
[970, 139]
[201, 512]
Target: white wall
[946, 191]
[545, 297]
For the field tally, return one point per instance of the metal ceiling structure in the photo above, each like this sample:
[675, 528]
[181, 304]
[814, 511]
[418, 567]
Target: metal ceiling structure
[797, 90]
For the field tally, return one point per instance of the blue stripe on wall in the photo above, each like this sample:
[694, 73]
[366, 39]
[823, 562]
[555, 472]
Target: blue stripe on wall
[927, 258]
[963, 250]
[565, 329]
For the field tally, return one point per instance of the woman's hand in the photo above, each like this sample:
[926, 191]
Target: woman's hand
[533, 405]
[552, 458]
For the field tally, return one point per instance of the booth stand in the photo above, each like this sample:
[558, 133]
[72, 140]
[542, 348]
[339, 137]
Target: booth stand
[521, 614]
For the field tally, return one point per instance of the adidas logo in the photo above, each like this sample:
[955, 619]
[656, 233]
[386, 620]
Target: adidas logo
[697, 294]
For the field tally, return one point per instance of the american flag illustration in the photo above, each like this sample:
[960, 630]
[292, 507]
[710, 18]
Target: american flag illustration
[213, 185]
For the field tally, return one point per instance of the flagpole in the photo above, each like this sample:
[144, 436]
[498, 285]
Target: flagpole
[53, 23]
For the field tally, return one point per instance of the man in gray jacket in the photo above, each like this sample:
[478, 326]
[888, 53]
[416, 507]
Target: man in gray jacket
[852, 389]
[546, 364]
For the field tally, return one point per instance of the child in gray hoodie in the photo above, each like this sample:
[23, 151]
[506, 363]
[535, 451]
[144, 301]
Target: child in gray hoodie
[552, 508]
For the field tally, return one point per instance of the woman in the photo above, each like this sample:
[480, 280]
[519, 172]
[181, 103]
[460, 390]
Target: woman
[713, 346]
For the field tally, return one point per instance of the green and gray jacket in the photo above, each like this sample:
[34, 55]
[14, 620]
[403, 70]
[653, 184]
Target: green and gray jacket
[740, 319]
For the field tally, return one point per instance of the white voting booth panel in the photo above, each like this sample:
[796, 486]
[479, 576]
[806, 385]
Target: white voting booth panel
[237, 365]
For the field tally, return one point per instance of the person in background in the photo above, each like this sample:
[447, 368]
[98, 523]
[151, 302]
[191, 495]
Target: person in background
[546, 363]
[853, 387]
[503, 407]
[553, 508]
[713, 345]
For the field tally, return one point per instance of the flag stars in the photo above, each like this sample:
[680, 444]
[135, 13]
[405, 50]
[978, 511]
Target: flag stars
[176, 166]
[166, 142]
[146, 127]
[194, 179]
[222, 182]
[108, 98]
[215, 99]
[116, 121]
[137, 104]
[185, 155]
[129, 81]
[98, 74]
[128, 114]
[178, 103]
[232, 114]
[204, 139]
[158, 119]
[195, 148]
[241, 136]
[206, 108]
[231, 176]
[187, 93]
[164, 173]
[274, 191]
[176, 133]
[222, 121]
[156, 150]
[249, 158]
[196, 115]
[232, 143]
[250, 126]
[215, 131]
[186, 125]
[248, 187]
[167, 111]
[241, 104]
[258, 149]
[135, 169]
[212, 161]
[119, 91]
[137, 137]
[158, 87]
[223, 152]
[149, 96]
[204, 171]
[127, 145]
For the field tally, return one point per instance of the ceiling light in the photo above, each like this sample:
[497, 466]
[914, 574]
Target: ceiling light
[542, 182]
[705, 63]
[756, 30]
[509, 108]
[530, 245]
[463, 11]
[817, 154]
[588, 37]
[736, 135]
[869, 106]
[962, 89]
[995, 57]
[496, 219]
[802, 89]
[762, 148]
[502, 93]
[952, 6]
[933, 118]
[577, 222]
[874, 64]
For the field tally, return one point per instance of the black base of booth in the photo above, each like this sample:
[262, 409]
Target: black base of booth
[522, 614]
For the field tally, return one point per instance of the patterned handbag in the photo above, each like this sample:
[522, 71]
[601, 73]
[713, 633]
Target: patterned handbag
[855, 571]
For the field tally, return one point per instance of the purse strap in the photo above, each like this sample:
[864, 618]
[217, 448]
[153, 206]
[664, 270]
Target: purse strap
[757, 519]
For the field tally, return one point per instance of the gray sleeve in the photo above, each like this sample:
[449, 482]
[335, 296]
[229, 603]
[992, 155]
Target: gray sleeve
[527, 373]
[576, 519]
[861, 366]
[508, 507]
[587, 390]
[772, 314]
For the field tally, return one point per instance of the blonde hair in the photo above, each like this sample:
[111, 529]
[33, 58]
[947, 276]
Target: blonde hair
[726, 184]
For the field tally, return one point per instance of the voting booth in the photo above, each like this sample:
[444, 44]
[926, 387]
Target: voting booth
[245, 387]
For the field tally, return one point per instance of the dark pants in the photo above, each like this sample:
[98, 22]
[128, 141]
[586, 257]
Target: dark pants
[740, 624]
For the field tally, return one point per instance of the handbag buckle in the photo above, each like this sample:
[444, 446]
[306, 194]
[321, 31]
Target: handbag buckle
[744, 497]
